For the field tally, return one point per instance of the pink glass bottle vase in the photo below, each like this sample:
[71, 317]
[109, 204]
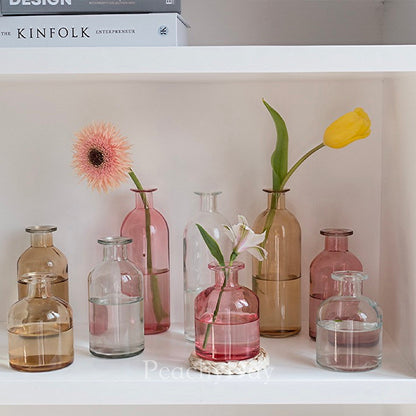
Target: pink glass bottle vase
[227, 318]
[334, 257]
[150, 252]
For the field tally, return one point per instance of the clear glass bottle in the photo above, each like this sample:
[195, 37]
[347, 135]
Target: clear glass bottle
[43, 256]
[196, 256]
[150, 253]
[227, 318]
[349, 327]
[334, 257]
[40, 328]
[115, 294]
[276, 280]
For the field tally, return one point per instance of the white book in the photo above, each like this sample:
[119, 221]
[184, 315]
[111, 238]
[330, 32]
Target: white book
[155, 29]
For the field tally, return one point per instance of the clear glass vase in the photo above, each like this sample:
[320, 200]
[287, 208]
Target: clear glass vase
[196, 256]
[43, 256]
[349, 327]
[40, 328]
[227, 318]
[115, 296]
[334, 257]
[276, 280]
[150, 253]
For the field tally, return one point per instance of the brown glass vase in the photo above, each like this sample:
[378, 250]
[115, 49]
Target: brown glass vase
[276, 280]
[43, 256]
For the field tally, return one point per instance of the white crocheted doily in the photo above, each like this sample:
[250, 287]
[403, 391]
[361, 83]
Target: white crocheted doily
[257, 363]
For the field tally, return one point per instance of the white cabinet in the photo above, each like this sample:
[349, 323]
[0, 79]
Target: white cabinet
[195, 119]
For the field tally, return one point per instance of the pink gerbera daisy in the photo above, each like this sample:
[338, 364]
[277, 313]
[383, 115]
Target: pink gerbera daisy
[101, 156]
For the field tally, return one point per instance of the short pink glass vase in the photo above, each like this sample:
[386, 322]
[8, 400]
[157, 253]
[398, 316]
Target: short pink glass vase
[227, 318]
[334, 257]
[150, 252]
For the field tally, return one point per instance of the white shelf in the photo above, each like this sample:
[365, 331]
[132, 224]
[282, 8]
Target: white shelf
[209, 62]
[293, 378]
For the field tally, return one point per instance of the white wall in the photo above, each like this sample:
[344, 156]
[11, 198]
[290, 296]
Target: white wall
[398, 248]
[399, 22]
[284, 22]
[189, 136]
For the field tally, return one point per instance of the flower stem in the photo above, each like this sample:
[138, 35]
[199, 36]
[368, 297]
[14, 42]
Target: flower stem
[217, 307]
[275, 196]
[157, 303]
[299, 162]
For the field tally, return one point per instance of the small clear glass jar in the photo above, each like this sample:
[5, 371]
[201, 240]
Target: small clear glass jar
[40, 328]
[115, 292]
[196, 256]
[349, 327]
[43, 256]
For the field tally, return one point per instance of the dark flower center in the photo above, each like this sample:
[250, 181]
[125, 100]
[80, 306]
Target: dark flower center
[96, 157]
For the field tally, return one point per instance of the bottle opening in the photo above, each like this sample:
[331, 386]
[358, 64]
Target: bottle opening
[237, 265]
[114, 241]
[347, 275]
[143, 191]
[41, 229]
[215, 193]
[336, 232]
[39, 277]
[272, 191]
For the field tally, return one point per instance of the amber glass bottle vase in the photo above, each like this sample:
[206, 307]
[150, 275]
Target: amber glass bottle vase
[40, 328]
[276, 280]
[43, 257]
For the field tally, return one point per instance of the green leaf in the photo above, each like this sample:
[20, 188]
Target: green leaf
[280, 154]
[212, 245]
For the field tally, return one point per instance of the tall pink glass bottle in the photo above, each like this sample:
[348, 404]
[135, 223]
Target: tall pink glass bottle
[334, 257]
[227, 318]
[150, 252]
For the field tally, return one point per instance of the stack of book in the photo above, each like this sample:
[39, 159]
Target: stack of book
[26, 23]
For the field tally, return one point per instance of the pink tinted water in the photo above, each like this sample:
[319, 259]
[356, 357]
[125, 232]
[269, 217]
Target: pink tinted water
[239, 339]
[156, 280]
[335, 257]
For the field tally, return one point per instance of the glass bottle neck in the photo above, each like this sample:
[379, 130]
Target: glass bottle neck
[39, 288]
[336, 243]
[231, 276]
[351, 286]
[41, 240]
[208, 202]
[143, 198]
[115, 252]
[276, 200]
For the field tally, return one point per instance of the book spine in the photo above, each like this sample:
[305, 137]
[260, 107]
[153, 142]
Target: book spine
[42, 7]
[155, 29]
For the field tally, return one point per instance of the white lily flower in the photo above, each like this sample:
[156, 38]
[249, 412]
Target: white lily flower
[245, 239]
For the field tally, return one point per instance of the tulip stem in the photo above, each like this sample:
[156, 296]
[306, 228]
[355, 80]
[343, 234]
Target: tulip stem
[298, 163]
[275, 197]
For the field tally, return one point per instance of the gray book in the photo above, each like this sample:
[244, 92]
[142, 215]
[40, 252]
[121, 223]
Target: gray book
[41, 7]
[152, 29]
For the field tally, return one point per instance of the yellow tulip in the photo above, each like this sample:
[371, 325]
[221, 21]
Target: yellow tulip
[348, 128]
